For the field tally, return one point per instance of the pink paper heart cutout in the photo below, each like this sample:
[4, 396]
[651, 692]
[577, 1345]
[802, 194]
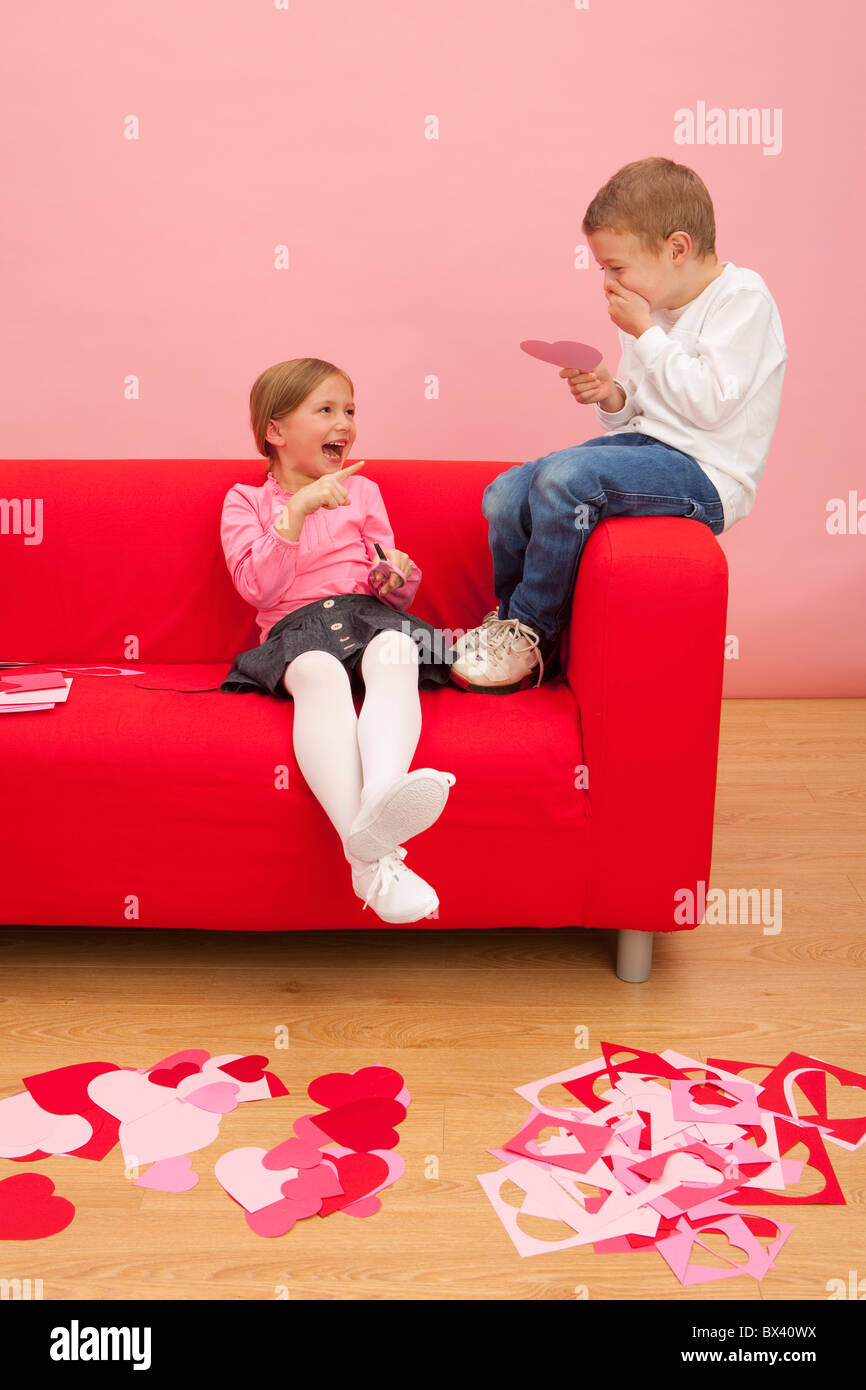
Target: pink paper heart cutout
[170, 1175]
[126, 1094]
[23, 1124]
[241, 1174]
[177, 1128]
[338, 1088]
[198, 1055]
[313, 1183]
[563, 353]
[28, 1209]
[367, 1206]
[292, 1153]
[219, 1097]
[307, 1130]
[274, 1220]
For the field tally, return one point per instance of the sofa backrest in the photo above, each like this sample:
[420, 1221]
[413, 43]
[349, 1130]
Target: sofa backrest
[103, 560]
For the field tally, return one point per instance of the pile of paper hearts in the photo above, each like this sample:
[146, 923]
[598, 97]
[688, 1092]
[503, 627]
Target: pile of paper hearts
[671, 1162]
[161, 1114]
[337, 1160]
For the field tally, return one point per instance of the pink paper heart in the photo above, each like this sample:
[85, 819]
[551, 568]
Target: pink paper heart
[170, 1175]
[219, 1097]
[175, 1129]
[368, 1206]
[318, 1182]
[274, 1220]
[292, 1153]
[127, 1094]
[306, 1129]
[563, 353]
[23, 1124]
[253, 1187]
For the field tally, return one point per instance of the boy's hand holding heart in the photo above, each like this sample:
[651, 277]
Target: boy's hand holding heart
[595, 387]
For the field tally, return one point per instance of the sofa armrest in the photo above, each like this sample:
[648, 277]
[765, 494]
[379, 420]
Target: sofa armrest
[645, 659]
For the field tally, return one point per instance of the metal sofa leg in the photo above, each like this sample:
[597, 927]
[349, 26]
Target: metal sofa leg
[634, 955]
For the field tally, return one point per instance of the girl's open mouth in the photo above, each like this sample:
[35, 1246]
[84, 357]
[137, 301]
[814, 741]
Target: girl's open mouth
[333, 451]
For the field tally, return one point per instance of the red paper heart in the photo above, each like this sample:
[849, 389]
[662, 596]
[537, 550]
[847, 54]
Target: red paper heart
[359, 1174]
[28, 1210]
[364, 1124]
[245, 1068]
[64, 1090]
[275, 1085]
[171, 1076]
[340, 1088]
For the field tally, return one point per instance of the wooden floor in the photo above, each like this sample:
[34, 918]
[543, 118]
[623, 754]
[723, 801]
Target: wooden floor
[466, 1017]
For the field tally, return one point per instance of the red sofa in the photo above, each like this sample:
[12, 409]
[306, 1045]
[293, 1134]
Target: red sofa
[152, 808]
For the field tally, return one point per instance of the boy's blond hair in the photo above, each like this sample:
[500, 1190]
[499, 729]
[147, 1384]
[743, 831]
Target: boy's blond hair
[652, 198]
[280, 389]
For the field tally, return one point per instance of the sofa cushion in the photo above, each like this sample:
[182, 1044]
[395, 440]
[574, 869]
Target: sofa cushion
[157, 808]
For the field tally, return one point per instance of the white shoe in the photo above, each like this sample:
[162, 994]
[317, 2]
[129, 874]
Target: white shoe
[410, 805]
[507, 657]
[467, 644]
[393, 891]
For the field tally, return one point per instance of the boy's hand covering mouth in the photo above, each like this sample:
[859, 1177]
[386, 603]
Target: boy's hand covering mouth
[628, 310]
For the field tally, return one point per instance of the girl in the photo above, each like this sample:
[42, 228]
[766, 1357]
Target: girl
[300, 549]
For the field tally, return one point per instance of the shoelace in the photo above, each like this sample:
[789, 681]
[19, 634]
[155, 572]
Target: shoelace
[388, 869]
[500, 637]
[475, 634]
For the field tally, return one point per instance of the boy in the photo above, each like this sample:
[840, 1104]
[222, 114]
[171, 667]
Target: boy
[688, 419]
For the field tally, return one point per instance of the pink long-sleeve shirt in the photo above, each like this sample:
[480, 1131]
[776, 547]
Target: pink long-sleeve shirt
[332, 556]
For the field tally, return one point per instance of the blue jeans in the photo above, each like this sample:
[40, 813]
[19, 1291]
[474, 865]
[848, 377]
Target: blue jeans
[539, 515]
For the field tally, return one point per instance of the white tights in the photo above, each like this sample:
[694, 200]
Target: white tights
[349, 761]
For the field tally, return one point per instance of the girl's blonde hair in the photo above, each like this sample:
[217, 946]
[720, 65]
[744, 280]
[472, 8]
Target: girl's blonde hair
[652, 198]
[280, 389]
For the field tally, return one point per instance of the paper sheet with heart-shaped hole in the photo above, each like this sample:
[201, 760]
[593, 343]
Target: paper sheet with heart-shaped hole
[690, 1146]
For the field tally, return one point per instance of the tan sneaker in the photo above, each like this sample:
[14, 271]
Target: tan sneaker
[506, 658]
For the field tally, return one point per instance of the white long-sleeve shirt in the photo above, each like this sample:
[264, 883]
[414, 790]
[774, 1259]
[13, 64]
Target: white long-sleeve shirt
[707, 379]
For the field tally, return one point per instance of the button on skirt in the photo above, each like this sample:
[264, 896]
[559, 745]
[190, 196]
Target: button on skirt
[342, 625]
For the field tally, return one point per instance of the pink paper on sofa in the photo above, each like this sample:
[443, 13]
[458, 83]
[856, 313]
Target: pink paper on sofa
[23, 709]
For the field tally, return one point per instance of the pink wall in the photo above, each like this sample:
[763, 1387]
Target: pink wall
[301, 124]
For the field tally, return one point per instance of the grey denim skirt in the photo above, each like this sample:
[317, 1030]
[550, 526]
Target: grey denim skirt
[343, 625]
